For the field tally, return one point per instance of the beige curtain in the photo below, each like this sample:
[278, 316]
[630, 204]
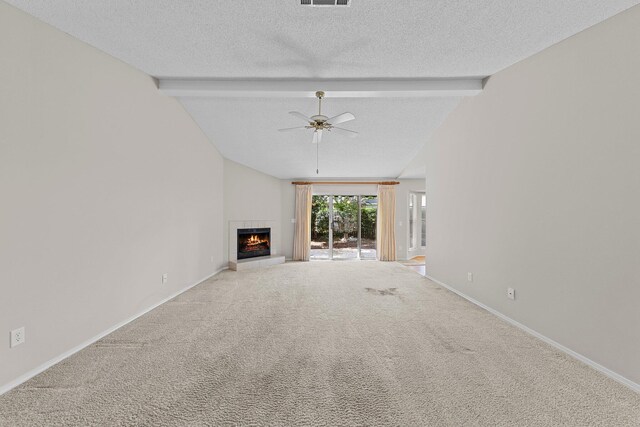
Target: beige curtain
[302, 236]
[386, 231]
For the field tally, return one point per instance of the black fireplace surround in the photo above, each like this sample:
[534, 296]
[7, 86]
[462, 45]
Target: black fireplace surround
[254, 242]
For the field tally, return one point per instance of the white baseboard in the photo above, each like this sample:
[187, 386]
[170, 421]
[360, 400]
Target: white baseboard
[598, 367]
[32, 373]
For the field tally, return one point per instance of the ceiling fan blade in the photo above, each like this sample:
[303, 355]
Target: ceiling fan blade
[301, 116]
[341, 118]
[290, 129]
[346, 132]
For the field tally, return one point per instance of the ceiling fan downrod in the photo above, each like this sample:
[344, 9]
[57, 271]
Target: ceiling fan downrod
[319, 95]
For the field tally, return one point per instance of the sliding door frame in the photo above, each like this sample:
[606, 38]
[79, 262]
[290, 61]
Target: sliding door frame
[359, 226]
[331, 217]
[331, 227]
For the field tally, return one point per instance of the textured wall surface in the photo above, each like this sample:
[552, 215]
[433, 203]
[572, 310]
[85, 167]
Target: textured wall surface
[105, 184]
[534, 185]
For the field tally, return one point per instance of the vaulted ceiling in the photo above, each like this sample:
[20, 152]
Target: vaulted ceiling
[281, 39]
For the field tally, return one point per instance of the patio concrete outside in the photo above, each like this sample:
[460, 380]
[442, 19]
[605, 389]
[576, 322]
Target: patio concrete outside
[343, 253]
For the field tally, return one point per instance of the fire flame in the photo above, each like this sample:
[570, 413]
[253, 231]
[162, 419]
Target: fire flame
[256, 240]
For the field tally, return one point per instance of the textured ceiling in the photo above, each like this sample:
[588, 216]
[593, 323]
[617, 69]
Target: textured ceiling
[245, 130]
[281, 39]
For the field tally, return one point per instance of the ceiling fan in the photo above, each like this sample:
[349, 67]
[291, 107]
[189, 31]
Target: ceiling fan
[320, 123]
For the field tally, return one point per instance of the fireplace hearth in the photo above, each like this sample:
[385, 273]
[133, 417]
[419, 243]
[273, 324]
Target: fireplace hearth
[254, 242]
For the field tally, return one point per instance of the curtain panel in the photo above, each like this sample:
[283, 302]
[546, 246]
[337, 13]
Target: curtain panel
[302, 235]
[386, 231]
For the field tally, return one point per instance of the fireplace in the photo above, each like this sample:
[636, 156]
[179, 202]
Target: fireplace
[254, 242]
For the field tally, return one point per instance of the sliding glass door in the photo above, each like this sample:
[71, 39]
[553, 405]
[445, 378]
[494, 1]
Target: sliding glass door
[417, 223]
[320, 220]
[343, 227]
[368, 223]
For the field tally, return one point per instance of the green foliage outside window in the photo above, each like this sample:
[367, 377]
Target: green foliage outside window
[345, 217]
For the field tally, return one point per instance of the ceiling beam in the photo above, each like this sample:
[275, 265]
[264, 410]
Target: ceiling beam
[333, 88]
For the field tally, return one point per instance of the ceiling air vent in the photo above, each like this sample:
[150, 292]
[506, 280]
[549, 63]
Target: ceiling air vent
[325, 2]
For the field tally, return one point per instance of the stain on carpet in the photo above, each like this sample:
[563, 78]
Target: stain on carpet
[387, 291]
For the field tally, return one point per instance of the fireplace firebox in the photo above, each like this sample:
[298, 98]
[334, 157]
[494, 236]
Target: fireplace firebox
[254, 242]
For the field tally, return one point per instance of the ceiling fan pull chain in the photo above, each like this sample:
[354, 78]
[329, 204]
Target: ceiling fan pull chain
[317, 157]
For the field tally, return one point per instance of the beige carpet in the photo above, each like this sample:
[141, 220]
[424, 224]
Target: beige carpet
[327, 344]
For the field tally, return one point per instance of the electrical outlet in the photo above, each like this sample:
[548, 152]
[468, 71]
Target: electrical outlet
[17, 337]
[165, 278]
[470, 277]
[293, 220]
[511, 293]
[212, 259]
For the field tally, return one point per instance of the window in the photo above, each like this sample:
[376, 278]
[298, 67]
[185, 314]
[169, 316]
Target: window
[423, 221]
[417, 220]
[412, 237]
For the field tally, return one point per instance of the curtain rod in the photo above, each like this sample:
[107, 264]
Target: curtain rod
[345, 182]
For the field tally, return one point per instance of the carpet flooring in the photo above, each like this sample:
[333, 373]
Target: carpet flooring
[320, 344]
[417, 264]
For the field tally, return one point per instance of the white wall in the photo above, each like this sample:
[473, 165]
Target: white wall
[288, 192]
[105, 184]
[253, 197]
[535, 185]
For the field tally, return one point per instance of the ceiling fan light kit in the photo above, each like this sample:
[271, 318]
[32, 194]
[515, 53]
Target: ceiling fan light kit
[320, 123]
